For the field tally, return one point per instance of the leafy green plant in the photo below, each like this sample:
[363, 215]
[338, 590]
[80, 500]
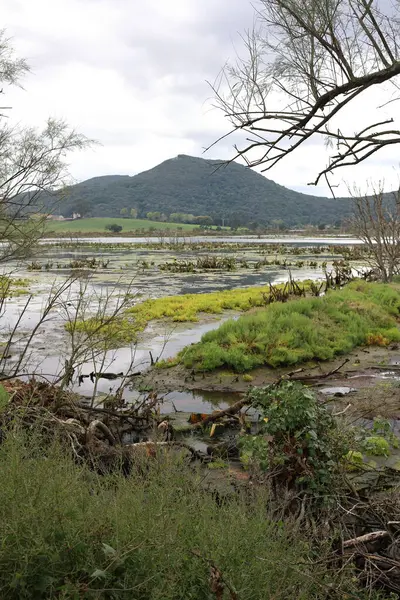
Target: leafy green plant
[380, 440]
[299, 443]
[376, 446]
[354, 460]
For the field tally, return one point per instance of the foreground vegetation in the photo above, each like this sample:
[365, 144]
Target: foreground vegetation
[69, 533]
[301, 330]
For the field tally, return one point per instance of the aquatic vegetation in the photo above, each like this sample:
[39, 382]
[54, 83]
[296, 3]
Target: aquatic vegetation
[300, 330]
[78, 263]
[187, 307]
[119, 332]
[380, 440]
[13, 286]
[376, 446]
[247, 378]
[203, 263]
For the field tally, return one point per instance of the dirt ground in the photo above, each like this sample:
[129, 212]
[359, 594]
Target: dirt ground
[365, 382]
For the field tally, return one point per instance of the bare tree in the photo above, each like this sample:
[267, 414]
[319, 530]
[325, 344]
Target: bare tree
[306, 60]
[32, 162]
[376, 221]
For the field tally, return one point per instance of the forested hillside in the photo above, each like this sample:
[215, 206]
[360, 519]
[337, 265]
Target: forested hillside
[231, 194]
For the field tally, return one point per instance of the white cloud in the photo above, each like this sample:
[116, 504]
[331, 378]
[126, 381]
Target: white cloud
[133, 75]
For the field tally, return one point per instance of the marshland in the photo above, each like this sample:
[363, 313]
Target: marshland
[199, 366]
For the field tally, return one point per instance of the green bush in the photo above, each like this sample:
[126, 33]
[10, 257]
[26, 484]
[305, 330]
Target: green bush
[299, 443]
[301, 330]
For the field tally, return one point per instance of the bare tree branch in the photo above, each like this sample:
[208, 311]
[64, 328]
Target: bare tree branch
[305, 62]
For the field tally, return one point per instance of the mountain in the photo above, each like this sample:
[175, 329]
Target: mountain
[186, 184]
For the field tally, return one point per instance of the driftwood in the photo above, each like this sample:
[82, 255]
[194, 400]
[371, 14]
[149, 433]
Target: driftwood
[366, 539]
[97, 424]
[218, 414]
[322, 376]
[151, 448]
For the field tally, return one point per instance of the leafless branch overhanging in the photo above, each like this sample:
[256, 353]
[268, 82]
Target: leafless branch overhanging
[305, 61]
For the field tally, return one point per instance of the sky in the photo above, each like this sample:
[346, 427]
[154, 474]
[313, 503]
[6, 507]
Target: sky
[133, 74]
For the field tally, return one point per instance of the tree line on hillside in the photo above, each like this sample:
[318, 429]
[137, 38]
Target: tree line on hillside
[233, 220]
[172, 218]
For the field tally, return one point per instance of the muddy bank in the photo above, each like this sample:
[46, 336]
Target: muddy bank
[369, 381]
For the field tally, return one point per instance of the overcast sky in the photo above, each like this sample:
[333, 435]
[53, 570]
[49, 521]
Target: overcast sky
[132, 74]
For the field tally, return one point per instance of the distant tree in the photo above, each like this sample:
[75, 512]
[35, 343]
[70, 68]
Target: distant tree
[176, 217]
[321, 226]
[113, 227]
[154, 216]
[278, 224]
[236, 220]
[81, 207]
[376, 221]
[203, 220]
[180, 217]
[134, 213]
[252, 225]
[124, 212]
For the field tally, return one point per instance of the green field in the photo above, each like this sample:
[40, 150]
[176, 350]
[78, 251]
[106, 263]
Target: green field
[97, 225]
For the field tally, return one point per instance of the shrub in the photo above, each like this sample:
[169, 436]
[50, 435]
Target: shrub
[113, 227]
[376, 446]
[299, 444]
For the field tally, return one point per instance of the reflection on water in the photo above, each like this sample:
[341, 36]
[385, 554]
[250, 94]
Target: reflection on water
[292, 240]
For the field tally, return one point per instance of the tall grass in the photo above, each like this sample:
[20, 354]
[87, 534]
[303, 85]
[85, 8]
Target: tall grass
[68, 533]
[301, 330]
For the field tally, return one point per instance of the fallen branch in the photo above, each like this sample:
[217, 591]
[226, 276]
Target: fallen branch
[117, 415]
[341, 412]
[96, 424]
[218, 414]
[323, 375]
[154, 445]
[366, 539]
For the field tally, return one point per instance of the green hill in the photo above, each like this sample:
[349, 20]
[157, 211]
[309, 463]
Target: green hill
[197, 186]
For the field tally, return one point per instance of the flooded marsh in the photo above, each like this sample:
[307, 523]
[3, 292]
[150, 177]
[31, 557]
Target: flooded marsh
[139, 266]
